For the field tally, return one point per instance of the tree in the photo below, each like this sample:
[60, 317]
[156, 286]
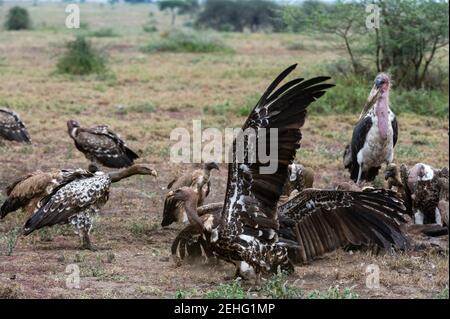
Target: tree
[410, 34]
[18, 19]
[236, 15]
[178, 6]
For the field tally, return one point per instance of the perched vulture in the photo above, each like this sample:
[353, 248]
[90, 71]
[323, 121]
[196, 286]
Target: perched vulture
[100, 145]
[256, 236]
[75, 201]
[300, 178]
[12, 128]
[26, 191]
[199, 181]
[426, 187]
[374, 136]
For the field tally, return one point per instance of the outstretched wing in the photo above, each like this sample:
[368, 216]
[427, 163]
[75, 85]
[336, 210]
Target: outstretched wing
[69, 199]
[253, 189]
[319, 221]
[12, 128]
[106, 147]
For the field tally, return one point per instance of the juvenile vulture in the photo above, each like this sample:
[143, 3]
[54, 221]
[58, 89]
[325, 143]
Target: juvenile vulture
[100, 145]
[199, 181]
[26, 191]
[12, 128]
[300, 178]
[76, 201]
[374, 136]
[253, 235]
[426, 187]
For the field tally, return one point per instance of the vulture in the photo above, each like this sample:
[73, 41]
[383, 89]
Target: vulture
[374, 136]
[26, 191]
[257, 236]
[102, 146]
[393, 178]
[12, 128]
[199, 181]
[300, 178]
[425, 188]
[75, 201]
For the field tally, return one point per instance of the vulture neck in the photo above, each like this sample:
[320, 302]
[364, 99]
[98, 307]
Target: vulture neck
[125, 173]
[382, 113]
[190, 206]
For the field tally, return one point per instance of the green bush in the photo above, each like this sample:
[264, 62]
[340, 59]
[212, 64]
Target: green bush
[103, 33]
[188, 41]
[351, 93]
[231, 290]
[81, 58]
[18, 19]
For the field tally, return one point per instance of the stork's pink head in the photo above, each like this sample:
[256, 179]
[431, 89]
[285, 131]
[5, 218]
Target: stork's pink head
[382, 82]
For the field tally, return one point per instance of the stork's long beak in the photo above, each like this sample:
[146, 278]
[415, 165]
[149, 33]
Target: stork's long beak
[373, 96]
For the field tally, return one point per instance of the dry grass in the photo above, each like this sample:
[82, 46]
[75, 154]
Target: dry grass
[160, 92]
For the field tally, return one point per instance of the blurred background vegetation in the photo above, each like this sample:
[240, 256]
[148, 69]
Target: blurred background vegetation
[411, 43]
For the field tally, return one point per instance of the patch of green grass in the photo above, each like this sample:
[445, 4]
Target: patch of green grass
[8, 241]
[443, 294]
[180, 294]
[277, 287]
[188, 41]
[103, 33]
[231, 290]
[80, 58]
[333, 293]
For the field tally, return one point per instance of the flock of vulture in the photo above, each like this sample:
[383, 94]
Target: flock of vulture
[267, 222]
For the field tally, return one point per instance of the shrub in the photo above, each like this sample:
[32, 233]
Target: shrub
[81, 59]
[103, 33]
[18, 19]
[188, 41]
[231, 290]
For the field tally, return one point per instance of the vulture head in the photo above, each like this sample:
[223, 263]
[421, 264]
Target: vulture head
[391, 171]
[72, 125]
[381, 86]
[212, 165]
[184, 194]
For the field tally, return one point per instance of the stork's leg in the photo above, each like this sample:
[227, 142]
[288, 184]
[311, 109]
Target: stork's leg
[358, 182]
[419, 218]
[437, 216]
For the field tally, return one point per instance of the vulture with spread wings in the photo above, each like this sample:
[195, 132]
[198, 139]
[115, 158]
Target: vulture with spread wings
[252, 233]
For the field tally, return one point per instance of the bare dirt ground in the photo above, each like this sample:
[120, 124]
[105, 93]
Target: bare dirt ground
[134, 258]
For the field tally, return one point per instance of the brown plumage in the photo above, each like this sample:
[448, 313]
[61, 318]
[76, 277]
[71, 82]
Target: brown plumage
[29, 189]
[300, 178]
[424, 188]
[12, 128]
[101, 145]
[198, 181]
[75, 201]
[312, 224]
[393, 178]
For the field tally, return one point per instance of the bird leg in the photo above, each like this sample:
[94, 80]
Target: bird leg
[419, 218]
[437, 216]
[358, 182]
[83, 223]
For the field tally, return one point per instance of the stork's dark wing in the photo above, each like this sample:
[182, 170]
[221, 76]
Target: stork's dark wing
[105, 146]
[319, 221]
[67, 200]
[358, 139]
[252, 193]
[12, 128]
[395, 129]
